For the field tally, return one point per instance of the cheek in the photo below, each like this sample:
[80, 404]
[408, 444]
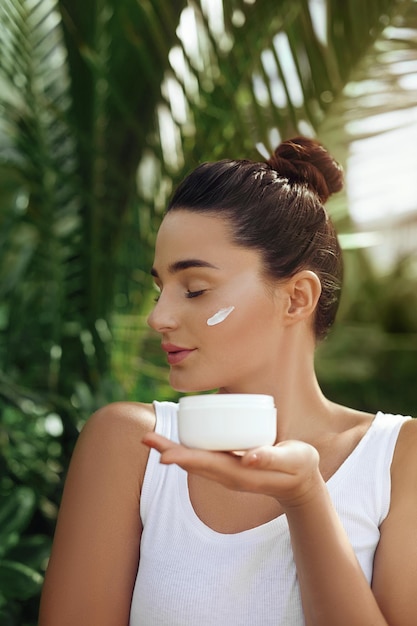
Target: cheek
[220, 316]
[240, 324]
[236, 318]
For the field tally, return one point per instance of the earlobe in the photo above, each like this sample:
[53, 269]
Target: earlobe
[304, 291]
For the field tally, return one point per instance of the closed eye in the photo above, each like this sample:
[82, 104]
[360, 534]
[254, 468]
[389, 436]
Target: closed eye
[158, 290]
[195, 294]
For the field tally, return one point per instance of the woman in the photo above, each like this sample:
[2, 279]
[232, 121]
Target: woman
[318, 529]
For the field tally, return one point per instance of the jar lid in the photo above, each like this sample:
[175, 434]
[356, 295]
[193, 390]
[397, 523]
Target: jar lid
[227, 399]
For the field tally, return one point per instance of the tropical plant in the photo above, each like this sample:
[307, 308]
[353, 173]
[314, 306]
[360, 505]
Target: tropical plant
[103, 106]
[21, 557]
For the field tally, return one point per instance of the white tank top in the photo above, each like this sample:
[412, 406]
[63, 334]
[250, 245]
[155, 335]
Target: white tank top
[191, 575]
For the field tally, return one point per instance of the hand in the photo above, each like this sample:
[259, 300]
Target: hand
[288, 471]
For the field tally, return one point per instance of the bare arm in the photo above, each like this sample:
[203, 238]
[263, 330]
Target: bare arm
[395, 565]
[95, 554]
[333, 587]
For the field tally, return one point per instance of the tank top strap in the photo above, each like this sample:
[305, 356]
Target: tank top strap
[166, 419]
[166, 425]
[367, 470]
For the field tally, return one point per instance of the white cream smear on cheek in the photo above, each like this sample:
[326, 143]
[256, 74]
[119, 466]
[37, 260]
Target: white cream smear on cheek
[220, 316]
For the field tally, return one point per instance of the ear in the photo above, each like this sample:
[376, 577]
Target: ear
[303, 292]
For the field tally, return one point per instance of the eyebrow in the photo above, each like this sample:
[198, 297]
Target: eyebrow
[185, 264]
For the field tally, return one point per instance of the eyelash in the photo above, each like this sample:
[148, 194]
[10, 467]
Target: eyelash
[188, 294]
[194, 294]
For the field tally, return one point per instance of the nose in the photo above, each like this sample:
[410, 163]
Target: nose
[162, 317]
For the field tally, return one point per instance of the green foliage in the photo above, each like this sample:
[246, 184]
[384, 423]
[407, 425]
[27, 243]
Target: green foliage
[31, 458]
[22, 556]
[97, 123]
[37, 436]
[370, 358]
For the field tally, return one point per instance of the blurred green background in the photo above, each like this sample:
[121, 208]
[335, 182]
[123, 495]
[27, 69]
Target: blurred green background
[104, 106]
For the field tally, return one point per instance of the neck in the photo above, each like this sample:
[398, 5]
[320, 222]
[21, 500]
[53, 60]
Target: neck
[303, 412]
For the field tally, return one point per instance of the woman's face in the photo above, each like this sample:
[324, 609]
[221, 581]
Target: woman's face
[200, 273]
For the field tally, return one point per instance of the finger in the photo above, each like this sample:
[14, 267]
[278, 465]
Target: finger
[191, 459]
[287, 457]
[158, 442]
[269, 458]
[170, 451]
[200, 461]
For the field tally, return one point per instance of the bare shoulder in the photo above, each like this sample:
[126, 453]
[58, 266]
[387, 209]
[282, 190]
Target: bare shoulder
[404, 476]
[92, 568]
[395, 563]
[404, 465]
[135, 416]
[116, 431]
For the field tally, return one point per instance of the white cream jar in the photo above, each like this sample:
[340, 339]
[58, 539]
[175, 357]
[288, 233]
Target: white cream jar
[227, 421]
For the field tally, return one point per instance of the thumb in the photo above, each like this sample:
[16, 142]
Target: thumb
[287, 456]
[265, 457]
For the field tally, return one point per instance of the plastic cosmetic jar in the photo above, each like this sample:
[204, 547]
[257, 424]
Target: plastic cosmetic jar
[227, 421]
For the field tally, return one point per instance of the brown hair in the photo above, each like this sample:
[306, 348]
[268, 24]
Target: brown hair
[277, 208]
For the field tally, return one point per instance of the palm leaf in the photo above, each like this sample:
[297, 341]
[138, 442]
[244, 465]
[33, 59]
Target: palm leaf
[92, 90]
[267, 75]
[70, 95]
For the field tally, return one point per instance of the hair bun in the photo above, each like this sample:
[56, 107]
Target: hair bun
[304, 160]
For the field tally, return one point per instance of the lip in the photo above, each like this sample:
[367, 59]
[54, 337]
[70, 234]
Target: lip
[176, 354]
